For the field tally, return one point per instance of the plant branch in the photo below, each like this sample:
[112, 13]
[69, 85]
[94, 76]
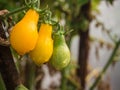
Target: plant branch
[106, 66]
[14, 11]
[30, 75]
[63, 81]
[38, 3]
[85, 11]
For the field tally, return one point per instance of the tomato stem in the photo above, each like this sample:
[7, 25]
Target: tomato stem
[14, 12]
[38, 3]
[27, 5]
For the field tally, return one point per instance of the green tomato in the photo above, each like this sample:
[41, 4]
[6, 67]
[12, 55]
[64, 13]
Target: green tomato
[21, 87]
[61, 54]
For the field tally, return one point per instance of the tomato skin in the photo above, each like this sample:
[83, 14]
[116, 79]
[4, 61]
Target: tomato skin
[44, 47]
[24, 34]
[21, 87]
[61, 54]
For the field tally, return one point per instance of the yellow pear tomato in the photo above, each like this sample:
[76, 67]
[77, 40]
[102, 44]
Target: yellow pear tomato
[24, 34]
[44, 47]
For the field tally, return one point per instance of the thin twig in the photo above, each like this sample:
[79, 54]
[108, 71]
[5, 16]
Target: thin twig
[13, 12]
[17, 10]
[38, 3]
[106, 66]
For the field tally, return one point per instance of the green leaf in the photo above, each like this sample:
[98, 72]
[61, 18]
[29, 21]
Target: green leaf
[82, 2]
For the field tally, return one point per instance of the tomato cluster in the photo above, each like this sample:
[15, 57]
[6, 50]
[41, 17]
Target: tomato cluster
[39, 44]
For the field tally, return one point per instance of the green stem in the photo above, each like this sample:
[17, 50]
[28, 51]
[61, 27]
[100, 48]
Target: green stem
[63, 81]
[2, 85]
[26, 3]
[20, 9]
[15, 11]
[30, 75]
[32, 78]
[106, 66]
[38, 3]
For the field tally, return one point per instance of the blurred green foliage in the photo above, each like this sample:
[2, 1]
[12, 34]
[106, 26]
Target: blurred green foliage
[10, 4]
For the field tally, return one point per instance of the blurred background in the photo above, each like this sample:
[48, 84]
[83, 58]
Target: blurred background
[95, 25]
[109, 15]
